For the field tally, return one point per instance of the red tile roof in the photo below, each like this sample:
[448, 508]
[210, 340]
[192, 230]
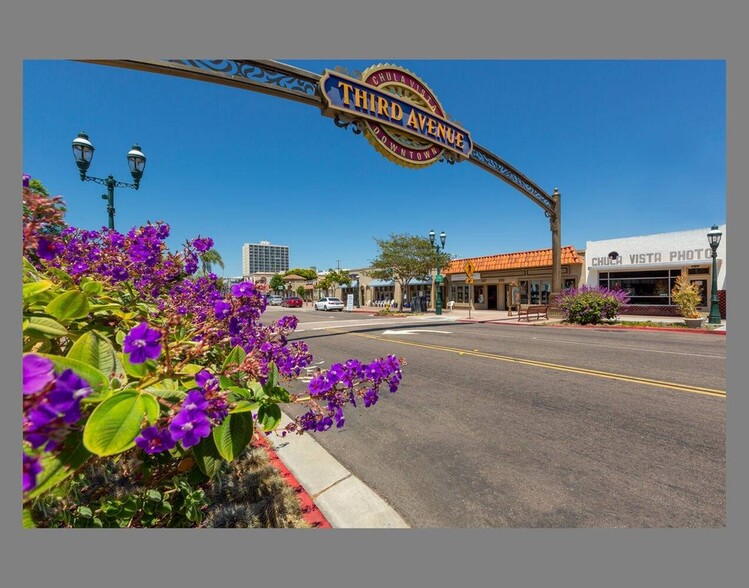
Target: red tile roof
[508, 261]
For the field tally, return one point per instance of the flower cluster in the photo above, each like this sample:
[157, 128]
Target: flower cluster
[202, 409]
[42, 218]
[342, 384]
[51, 404]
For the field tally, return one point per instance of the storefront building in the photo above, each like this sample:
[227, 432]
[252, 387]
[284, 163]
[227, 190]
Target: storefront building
[508, 278]
[647, 268]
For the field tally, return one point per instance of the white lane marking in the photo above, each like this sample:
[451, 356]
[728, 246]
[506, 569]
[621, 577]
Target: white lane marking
[414, 332]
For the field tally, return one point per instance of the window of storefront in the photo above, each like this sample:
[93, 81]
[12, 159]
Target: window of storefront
[383, 293]
[644, 287]
[460, 293]
[478, 294]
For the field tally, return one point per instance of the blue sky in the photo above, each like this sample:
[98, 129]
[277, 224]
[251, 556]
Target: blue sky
[635, 147]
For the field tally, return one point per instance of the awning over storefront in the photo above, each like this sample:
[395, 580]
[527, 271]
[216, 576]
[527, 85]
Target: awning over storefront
[382, 283]
[353, 284]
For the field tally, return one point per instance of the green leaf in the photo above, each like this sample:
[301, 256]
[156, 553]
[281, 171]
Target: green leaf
[97, 380]
[280, 394]
[34, 288]
[236, 356]
[102, 307]
[269, 416]
[225, 382]
[114, 424]
[233, 435]
[44, 325]
[68, 306]
[136, 370]
[95, 349]
[57, 467]
[92, 287]
[237, 393]
[207, 457]
[245, 406]
[272, 380]
[28, 520]
[85, 512]
[60, 275]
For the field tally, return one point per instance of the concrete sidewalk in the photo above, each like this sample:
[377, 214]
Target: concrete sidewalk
[503, 317]
[344, 499]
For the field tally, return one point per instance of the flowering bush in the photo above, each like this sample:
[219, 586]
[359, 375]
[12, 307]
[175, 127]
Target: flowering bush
[591, 304]
[128, 355]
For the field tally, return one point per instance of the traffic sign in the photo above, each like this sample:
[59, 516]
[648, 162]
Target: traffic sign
[469, 280]
[468, 268]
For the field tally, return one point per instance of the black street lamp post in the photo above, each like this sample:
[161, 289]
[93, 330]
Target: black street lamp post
[713, 237]
[438, 277]
[83, 151]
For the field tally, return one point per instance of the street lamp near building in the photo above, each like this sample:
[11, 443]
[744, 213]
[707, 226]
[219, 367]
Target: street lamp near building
[438, 278]
[83, 151]
[713, 238]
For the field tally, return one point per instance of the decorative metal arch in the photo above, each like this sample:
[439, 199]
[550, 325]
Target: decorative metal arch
[285, 81]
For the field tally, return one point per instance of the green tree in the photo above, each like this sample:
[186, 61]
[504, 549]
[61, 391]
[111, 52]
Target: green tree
[210, 258]
[300, 291]
[405, 257]
[277, 283]
[333, 279]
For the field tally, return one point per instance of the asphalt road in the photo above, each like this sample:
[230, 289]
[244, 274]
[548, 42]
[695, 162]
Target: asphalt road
[510, 426]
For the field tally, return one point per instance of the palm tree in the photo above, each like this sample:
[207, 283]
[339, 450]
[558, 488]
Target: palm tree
[210, 258]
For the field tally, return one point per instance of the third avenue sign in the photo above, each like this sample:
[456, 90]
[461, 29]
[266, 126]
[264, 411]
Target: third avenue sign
[402, 117]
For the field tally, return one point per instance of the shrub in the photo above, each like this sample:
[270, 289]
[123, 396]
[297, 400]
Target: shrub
[132, 360]
[591, 304]
[687, 296]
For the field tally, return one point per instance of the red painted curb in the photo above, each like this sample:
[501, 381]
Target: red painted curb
[311, 513]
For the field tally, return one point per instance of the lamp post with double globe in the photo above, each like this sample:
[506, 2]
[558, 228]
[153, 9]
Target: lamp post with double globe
[83, 151]
[713, 238]
[438, 277]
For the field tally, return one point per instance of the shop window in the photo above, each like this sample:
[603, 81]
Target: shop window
[523, 292]
[478, 294]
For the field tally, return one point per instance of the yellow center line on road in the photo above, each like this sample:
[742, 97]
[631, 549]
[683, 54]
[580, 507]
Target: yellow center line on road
[553, 366]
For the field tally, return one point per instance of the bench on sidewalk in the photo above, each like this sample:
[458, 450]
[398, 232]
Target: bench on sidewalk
[536, 309]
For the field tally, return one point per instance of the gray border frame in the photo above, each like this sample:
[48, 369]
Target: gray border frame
[393, 30]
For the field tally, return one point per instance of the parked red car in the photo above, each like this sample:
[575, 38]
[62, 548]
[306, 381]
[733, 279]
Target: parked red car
[293, 301]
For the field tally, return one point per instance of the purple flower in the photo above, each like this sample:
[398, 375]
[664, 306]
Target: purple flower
[65, 397]
[38, 373]
[206, 380]
[79, 268]
[26, 179]
[243, 289]
[191, 264]
[47, 249]
[221, 309]
[31, 468]
[318, 385]
[195, 401]
[152, 440]
[120, 274]
[189, 427]
[202, 244]
[163, 231]
[142, 343]
[370, 397]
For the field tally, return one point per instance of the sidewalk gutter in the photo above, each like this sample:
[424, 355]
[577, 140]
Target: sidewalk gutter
[344, 500]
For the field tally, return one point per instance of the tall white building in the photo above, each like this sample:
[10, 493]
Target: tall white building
[264, 257]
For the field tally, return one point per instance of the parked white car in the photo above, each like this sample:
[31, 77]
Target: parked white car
[327, 303]
[274, 300]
